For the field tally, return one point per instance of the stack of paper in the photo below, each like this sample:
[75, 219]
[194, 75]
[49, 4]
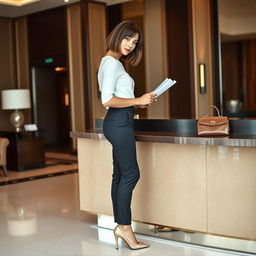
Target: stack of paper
[165, 85]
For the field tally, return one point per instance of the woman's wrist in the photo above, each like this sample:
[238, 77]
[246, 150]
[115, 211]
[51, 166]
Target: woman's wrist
[116, 102]
[136, 101]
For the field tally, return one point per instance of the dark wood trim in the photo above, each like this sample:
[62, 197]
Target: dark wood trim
[216, 53]
[114, 16]
[191, 59]
[15, 69]
[86, 64]
[178, 44]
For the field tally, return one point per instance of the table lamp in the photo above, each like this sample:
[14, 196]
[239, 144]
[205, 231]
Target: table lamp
[16, 99]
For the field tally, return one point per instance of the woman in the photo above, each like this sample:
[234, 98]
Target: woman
[117, 95]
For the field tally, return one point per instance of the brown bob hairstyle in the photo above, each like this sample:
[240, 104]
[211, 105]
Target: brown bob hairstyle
[121, 31]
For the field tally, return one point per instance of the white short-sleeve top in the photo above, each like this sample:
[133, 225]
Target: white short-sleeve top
[114, 80]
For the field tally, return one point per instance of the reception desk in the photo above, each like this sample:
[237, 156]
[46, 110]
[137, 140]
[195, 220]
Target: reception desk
[198, 184]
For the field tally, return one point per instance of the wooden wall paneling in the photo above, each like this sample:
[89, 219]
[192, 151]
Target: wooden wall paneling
[7, 52]
[231, 71]
[156, 54]
[216, 52]
[179, 58]
[8, 79]
[76, 76]
[88, 104]
[249, 68]
[138, 73]
[134, 11]
[202, 53]
[22, 59]
[97, 48]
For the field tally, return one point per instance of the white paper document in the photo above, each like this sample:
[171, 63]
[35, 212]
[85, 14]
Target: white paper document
[165, 85]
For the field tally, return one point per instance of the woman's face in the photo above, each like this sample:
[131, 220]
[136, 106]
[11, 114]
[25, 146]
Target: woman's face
[128, 44]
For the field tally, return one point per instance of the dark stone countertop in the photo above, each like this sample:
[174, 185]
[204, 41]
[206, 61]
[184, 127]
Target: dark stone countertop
[179, 138]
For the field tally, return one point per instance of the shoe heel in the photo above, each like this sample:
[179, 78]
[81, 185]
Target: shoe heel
[116, 240]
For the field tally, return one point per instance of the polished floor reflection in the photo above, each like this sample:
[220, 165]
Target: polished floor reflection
[42, 217]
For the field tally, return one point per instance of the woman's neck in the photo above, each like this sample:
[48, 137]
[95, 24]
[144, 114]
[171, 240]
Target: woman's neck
[113, 54]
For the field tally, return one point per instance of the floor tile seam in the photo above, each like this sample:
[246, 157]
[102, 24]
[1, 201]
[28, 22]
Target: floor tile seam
[37, 174]
[58, 239]
[57, 173]
[73, 220]
[37, 177]
[47, 166]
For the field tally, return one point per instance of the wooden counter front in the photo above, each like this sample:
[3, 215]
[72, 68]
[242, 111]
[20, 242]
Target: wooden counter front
[208, 186]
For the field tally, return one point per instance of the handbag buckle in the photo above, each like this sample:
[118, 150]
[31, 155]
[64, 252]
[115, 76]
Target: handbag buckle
[212, 122]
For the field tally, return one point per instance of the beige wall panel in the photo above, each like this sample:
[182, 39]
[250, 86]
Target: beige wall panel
[95, 175]
[156, 54]
[76, 79]
[172, 187]
[97, 39]
[202, 54]
[231, 178]
[171, 190]
[7, 67]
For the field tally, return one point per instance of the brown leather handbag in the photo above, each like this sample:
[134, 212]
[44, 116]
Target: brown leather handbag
[214, 125]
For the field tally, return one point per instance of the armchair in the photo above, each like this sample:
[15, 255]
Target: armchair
[4, 142]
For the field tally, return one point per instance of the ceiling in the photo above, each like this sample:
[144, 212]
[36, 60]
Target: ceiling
[17, 8]
[237, 8]
[237, 19]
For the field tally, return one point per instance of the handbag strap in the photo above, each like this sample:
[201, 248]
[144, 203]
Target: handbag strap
[213, 106]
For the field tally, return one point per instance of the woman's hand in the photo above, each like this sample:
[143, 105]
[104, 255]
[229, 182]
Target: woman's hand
[147, 99]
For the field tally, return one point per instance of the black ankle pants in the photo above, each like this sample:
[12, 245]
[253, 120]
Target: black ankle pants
[118, 129]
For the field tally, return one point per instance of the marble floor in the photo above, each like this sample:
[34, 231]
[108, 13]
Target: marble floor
[42, 218]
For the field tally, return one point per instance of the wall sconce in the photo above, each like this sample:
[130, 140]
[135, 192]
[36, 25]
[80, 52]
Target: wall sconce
[16, 99]
[66, 99]
[202, 77]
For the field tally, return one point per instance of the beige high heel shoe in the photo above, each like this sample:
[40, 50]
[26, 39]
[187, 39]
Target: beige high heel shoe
[118, 233]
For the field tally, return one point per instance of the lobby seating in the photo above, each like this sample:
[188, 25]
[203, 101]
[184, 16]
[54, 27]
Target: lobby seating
[4, 142]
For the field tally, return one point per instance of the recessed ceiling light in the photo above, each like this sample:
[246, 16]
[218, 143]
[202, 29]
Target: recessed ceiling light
[17, 2]
[66, 1]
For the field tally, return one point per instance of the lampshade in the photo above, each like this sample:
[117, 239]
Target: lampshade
[16, 99]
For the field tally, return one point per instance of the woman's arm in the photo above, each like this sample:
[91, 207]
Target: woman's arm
[145, 99]
[141, 106]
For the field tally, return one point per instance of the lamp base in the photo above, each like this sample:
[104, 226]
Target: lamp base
[17, 120]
